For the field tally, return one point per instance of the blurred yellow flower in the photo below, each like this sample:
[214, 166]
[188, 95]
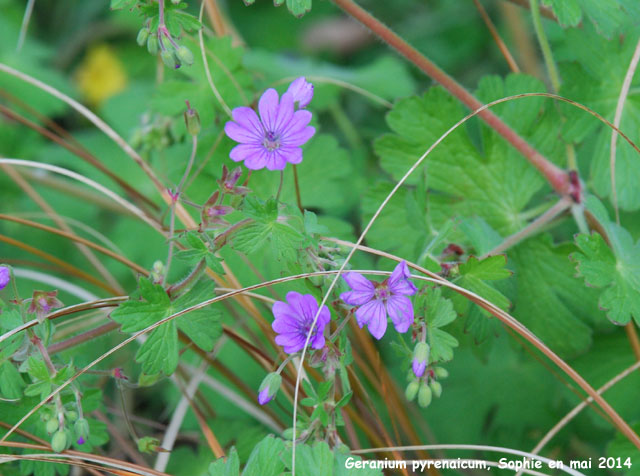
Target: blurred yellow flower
[100, 75]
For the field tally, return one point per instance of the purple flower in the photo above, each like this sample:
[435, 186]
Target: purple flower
[273, 139]
[5, 277]
[293, 322]
[377, 300]
[302, 92]
[80, 441]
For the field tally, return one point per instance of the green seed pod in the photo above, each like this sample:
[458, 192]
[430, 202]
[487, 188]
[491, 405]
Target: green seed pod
[185, 55]
[436, 388]
[424, 395]
[71, 415]
[143, 34]
[59, 441]
[169, 59]
[441, 372]
[81, 428]
[152, 44]
[412, 390]
[52, 426]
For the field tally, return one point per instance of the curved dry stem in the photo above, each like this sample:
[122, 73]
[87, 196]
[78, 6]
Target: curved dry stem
[203, 305]
[87, 181]
[618, 421]
[626, 85]
[79, 458]
[573, 413]
[77, 239]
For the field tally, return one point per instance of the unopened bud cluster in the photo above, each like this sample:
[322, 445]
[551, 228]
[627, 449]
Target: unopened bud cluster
[172, 53]
[65, 428]
[424, 382]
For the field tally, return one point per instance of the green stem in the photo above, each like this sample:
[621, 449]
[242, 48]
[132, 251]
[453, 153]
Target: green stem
[554, 76]
[280, 185]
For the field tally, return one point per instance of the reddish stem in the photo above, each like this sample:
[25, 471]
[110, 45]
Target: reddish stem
[556, 177]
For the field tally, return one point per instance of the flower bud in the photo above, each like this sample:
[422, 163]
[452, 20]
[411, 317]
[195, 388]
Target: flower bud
[157, 272]
[71, 415]
[152, 44]
[412, 390]
[302, 92]
[441, 372]
[185, 55]
[5, 277]
[420, 358]
[424, 395]
[81, 429]
[192, 120]
[269, 388]
[52, 425]
[169, 59]
[143, 35]
[59, 441]
[436, 388]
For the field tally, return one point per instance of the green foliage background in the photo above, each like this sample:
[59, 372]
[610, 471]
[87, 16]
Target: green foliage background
[573, 290]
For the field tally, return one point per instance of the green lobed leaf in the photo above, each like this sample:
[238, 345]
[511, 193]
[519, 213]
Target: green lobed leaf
[265, 458]
[159, 353]
[495, 183]
[606, 15]
[229, 466]
[548, 301]
[618, 274]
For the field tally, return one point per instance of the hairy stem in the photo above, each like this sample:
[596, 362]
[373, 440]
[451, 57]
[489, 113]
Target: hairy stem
[556, 177]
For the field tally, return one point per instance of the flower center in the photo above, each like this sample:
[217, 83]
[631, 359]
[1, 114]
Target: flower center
[383, 292]
[271, 141]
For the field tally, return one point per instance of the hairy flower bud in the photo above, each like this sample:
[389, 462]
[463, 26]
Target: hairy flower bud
[269, 388]
[59, 441]
[52, 425]
[143, 35]
[441, 372]
[424, 395]
[412, 390]
[81, 429]
[420, 358]
[185, 55]
[169, 59]
[152, 44]
[436, 388]
[5, 277]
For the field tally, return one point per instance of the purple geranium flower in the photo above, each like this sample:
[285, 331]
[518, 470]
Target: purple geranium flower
[302, 92]
[293, 322]
[377, 300]
[275, 137]
[5, 277]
